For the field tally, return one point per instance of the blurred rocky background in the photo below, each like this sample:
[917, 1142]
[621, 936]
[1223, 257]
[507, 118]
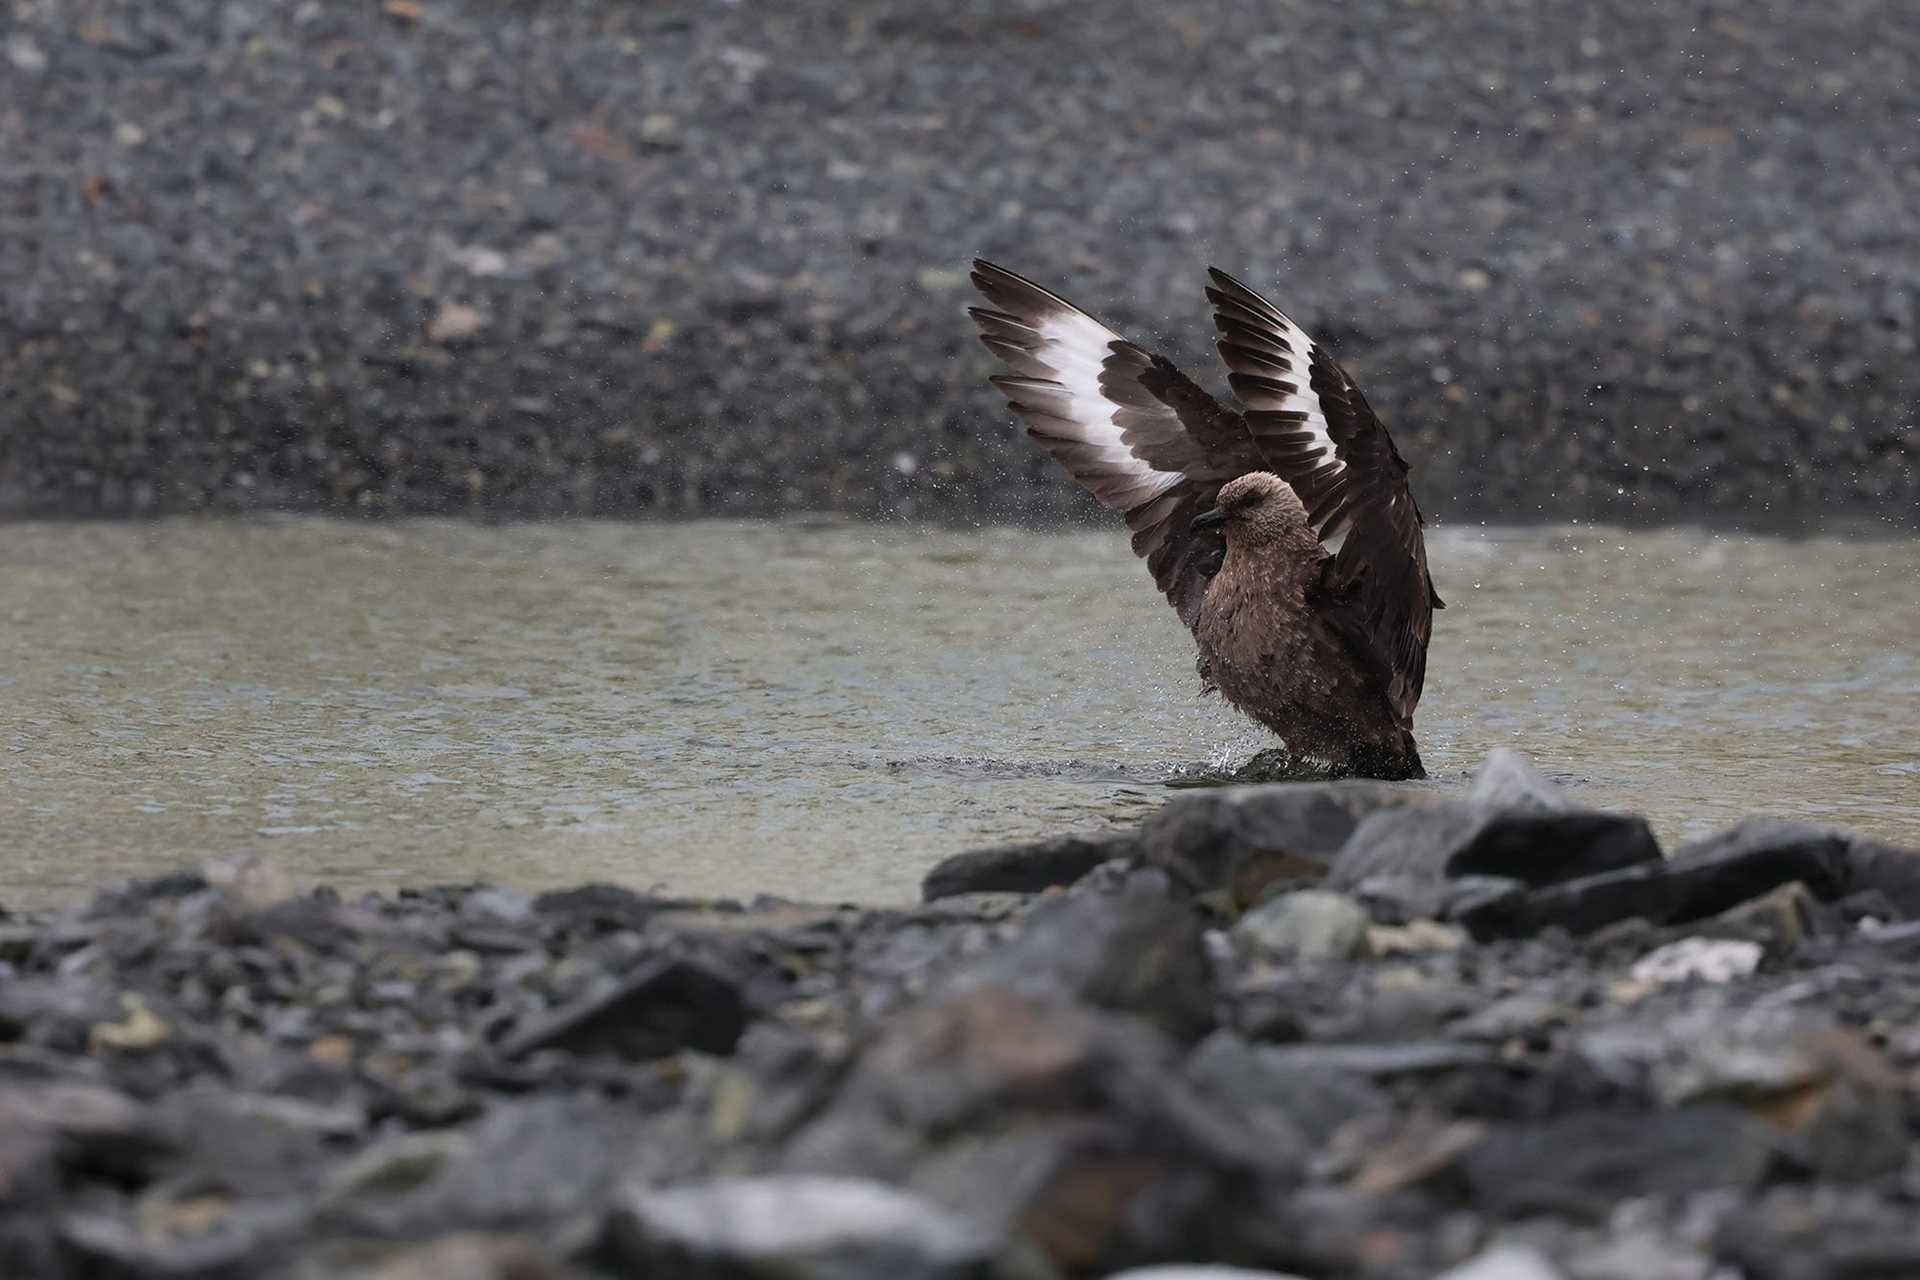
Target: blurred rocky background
[1608, 260]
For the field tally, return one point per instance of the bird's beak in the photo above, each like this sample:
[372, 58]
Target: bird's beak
[1207, 519]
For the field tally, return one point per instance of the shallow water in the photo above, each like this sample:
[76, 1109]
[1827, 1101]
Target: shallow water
[822, 710]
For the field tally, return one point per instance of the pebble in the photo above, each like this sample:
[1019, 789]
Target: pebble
[1714, 960]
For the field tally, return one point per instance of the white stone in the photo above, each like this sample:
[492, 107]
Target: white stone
[1305, 924]
[29, 57]
[1699, 959]
[1505, 1262]
[809, 1225]
[1507, 780]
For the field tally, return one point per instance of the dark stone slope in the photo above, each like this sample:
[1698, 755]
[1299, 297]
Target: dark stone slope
[1589, 259]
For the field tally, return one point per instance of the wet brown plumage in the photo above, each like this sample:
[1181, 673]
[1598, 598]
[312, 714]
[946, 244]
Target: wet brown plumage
[1234, 510]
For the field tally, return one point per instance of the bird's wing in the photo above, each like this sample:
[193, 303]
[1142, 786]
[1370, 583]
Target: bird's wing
[1129, 427]
[1315, 430]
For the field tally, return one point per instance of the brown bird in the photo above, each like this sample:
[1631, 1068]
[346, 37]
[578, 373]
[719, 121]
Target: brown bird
[1284, 535]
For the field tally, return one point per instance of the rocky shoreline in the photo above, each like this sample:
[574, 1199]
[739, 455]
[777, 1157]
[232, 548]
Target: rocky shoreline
[1329, 1030]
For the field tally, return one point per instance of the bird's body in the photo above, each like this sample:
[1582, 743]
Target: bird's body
[1234, 511]
[1265, 646]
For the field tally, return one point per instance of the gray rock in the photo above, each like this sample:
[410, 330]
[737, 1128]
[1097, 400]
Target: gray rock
[1284, 1099]
[601, 907]
[1849, 1129]
[1399, 899]
[546, 1160]
[46, 1127]
[1781, 919]
[1810, 1233]
[1507, 780]
[1239, 840]
[1397, 1004]
[1307, 924]
[796, 1227]
[1520, 1014]
[1836, 1101]
[665, 1004]
[1453, 839]
[1072, 1128]
[1022, 868]
[1585, 1163]
[1703, 878]
[1890, 870]
[1136, 949]
[57, 1013]
[1707, 1050]
[252, 1144]
[1001, 1178]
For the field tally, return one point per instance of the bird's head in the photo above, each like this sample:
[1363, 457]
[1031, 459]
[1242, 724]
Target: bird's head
[1256, 507]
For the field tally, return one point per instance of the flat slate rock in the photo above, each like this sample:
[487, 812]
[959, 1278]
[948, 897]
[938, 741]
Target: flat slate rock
[666, 1004]
[1453, 839]
[602, 906]
[1023, 868]
[1713, 875]
[1240, 840]
[1400, 899]
[1135, 949]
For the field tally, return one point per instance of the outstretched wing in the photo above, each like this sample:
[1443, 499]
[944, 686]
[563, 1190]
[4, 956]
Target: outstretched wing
[1319, 434]
[1129, 427]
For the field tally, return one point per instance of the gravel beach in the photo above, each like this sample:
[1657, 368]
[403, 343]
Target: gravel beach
[1589, 260]
[1346, 1031]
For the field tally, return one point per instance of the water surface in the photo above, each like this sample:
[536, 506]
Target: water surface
[822, 710]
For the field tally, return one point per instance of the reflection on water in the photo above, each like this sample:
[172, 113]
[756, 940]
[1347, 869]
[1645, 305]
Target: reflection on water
[822, 710]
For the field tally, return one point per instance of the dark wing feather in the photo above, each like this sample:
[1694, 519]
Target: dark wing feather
[1314, 428]
[1133, 430]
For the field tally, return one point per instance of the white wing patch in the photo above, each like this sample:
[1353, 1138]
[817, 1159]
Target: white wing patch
[1057, 352]
[1270, 359]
